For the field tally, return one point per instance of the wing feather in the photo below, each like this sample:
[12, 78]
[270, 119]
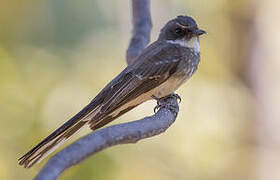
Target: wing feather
[153, 67]
[141, 77]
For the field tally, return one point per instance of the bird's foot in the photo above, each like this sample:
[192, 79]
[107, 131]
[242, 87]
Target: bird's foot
[172, 108]
[176, 96]
[161, 103]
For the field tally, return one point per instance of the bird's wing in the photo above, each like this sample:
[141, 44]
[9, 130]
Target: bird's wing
[153, 67]
[150, 69]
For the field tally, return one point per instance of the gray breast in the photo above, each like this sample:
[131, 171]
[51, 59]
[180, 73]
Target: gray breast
[189, 63]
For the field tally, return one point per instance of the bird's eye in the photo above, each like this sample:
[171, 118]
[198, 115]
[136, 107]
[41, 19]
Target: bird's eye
[179, 31]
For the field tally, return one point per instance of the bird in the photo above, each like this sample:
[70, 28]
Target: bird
[159, 70]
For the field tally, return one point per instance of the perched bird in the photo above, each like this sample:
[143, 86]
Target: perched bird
[158, 71]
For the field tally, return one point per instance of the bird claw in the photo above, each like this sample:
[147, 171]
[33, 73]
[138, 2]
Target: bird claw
[168, 106]
[176, 96]
[157, 108]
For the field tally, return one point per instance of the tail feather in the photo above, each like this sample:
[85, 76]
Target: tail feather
[58, 137]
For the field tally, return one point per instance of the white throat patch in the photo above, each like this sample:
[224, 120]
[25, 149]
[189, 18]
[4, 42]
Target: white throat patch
[192, 43]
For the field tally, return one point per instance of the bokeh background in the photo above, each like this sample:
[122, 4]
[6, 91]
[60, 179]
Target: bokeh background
[55, 56]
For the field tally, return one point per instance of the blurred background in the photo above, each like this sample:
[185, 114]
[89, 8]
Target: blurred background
[55, 56]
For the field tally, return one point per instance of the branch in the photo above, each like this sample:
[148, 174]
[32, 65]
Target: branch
[125, 133]
[142, 26]
[99, 140]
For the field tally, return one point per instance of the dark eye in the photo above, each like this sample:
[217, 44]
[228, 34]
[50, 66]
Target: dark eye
[179, 31]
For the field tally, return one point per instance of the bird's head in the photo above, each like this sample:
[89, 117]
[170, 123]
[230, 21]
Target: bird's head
[182, 30]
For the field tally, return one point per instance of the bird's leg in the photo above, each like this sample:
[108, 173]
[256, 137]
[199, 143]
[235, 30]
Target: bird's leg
[156, 98]
[161, 102]
[176, 96]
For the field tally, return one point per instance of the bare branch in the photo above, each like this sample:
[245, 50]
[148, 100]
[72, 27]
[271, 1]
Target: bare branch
[99, 140]
[142, 25]
[125, 133]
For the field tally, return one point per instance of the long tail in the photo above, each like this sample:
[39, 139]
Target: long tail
[59, 136]
[104, 108]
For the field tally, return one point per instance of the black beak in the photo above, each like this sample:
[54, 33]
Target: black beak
[199, 32]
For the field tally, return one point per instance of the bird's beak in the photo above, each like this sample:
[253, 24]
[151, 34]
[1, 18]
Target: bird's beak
[199, 32]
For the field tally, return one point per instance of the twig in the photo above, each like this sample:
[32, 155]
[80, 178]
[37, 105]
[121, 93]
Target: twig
[142, 26]
[99, 140]
[125, 133]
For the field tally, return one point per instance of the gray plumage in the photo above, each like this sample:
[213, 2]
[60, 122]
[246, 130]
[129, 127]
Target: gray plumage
[160, 69]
